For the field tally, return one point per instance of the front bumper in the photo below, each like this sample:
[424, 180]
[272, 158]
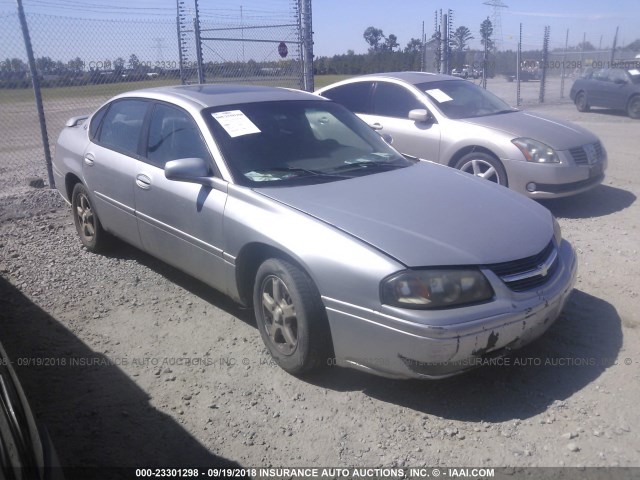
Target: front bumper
[554, 180]
[395, 347]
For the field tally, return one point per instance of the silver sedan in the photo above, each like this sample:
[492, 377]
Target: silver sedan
[451, 121]
[350, 253]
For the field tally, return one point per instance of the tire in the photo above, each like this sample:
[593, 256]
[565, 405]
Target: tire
[633, 107]
[86, 220]
[581, 102]
[291, 317]
[485, 166]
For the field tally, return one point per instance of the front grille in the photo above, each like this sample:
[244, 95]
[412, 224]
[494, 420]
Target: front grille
[580, 156]
[528, 269]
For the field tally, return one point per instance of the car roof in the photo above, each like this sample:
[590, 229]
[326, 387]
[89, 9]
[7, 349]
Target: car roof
[412, 77]
[213, 95]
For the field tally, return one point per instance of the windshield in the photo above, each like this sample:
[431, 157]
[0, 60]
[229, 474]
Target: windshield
[292, 142]
[463, 99]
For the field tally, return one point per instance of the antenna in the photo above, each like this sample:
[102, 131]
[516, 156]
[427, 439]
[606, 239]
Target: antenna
[496, 20]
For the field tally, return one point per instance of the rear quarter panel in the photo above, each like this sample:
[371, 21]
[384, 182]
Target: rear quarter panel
[69, 152]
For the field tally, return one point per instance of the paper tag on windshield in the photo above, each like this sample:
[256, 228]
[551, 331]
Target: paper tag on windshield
[439, 95]
[635, 71]
[235, 123]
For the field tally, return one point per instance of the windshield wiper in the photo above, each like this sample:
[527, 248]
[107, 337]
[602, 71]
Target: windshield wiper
[367, 163]
[506, 110]
[303, 170]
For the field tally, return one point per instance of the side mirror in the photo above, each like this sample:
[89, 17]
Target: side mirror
[194, 170]
[620, 81]
[421, 115]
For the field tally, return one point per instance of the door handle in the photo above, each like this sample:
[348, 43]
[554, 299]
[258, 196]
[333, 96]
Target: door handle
[89, 159]
[143, 181]
[376, 126]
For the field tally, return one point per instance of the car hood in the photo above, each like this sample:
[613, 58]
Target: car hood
[558, 134]
[427, 215]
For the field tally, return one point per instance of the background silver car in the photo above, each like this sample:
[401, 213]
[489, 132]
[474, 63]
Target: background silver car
[456, 123]
[349, 252]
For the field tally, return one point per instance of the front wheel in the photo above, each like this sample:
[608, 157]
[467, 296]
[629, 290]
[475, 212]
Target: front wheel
[290, 316]
[484, 166]
[581, 102]
[86, 220]
[633, 108]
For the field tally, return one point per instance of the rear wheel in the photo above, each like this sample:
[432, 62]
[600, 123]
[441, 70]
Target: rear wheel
[87, 223]
[484, 166]
[633, 107]
[290, 316]
[581, 102]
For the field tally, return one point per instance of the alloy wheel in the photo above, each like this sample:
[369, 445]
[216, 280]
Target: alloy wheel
[279, 315]
[482, 169]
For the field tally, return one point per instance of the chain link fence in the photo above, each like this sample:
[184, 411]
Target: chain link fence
[547, 70]
[83, 62]
[253, 48]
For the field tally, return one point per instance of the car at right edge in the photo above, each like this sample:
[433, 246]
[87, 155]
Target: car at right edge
[615, 88]
[454, 122]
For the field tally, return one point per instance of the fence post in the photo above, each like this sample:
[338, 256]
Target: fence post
[545, 61]
[35, 81]
[518, 63]
[562, 71]
[613, 49]
[307, 44]
[444, 65]
[181, 44]
[196, 29]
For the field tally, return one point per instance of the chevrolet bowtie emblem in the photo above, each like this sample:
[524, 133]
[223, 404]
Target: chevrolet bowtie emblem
[543, 269]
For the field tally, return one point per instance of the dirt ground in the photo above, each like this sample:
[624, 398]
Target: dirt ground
[129, 362]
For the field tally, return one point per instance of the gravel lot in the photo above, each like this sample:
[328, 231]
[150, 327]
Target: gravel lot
[129, 362]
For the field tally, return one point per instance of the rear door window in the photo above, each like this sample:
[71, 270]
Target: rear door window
[391, 100]
[122, 126]
[354, 96]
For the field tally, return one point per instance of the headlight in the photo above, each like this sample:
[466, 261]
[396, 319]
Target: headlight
[435, 288]
[557, 232]
[535, 151]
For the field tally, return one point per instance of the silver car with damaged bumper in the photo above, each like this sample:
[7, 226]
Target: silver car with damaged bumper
[451, 121]
[350, 253]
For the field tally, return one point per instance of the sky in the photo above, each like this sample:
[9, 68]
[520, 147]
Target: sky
[338, 24]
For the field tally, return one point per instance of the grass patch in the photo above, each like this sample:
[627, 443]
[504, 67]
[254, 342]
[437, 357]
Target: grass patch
[324, 80]
[107, 90]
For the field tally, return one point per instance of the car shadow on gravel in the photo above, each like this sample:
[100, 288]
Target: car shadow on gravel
[98, 418]
[124, 251]
[574, 352]
[599, 202]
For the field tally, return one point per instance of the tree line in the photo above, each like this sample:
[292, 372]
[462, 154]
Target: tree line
[385, 54]
[14, 72]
